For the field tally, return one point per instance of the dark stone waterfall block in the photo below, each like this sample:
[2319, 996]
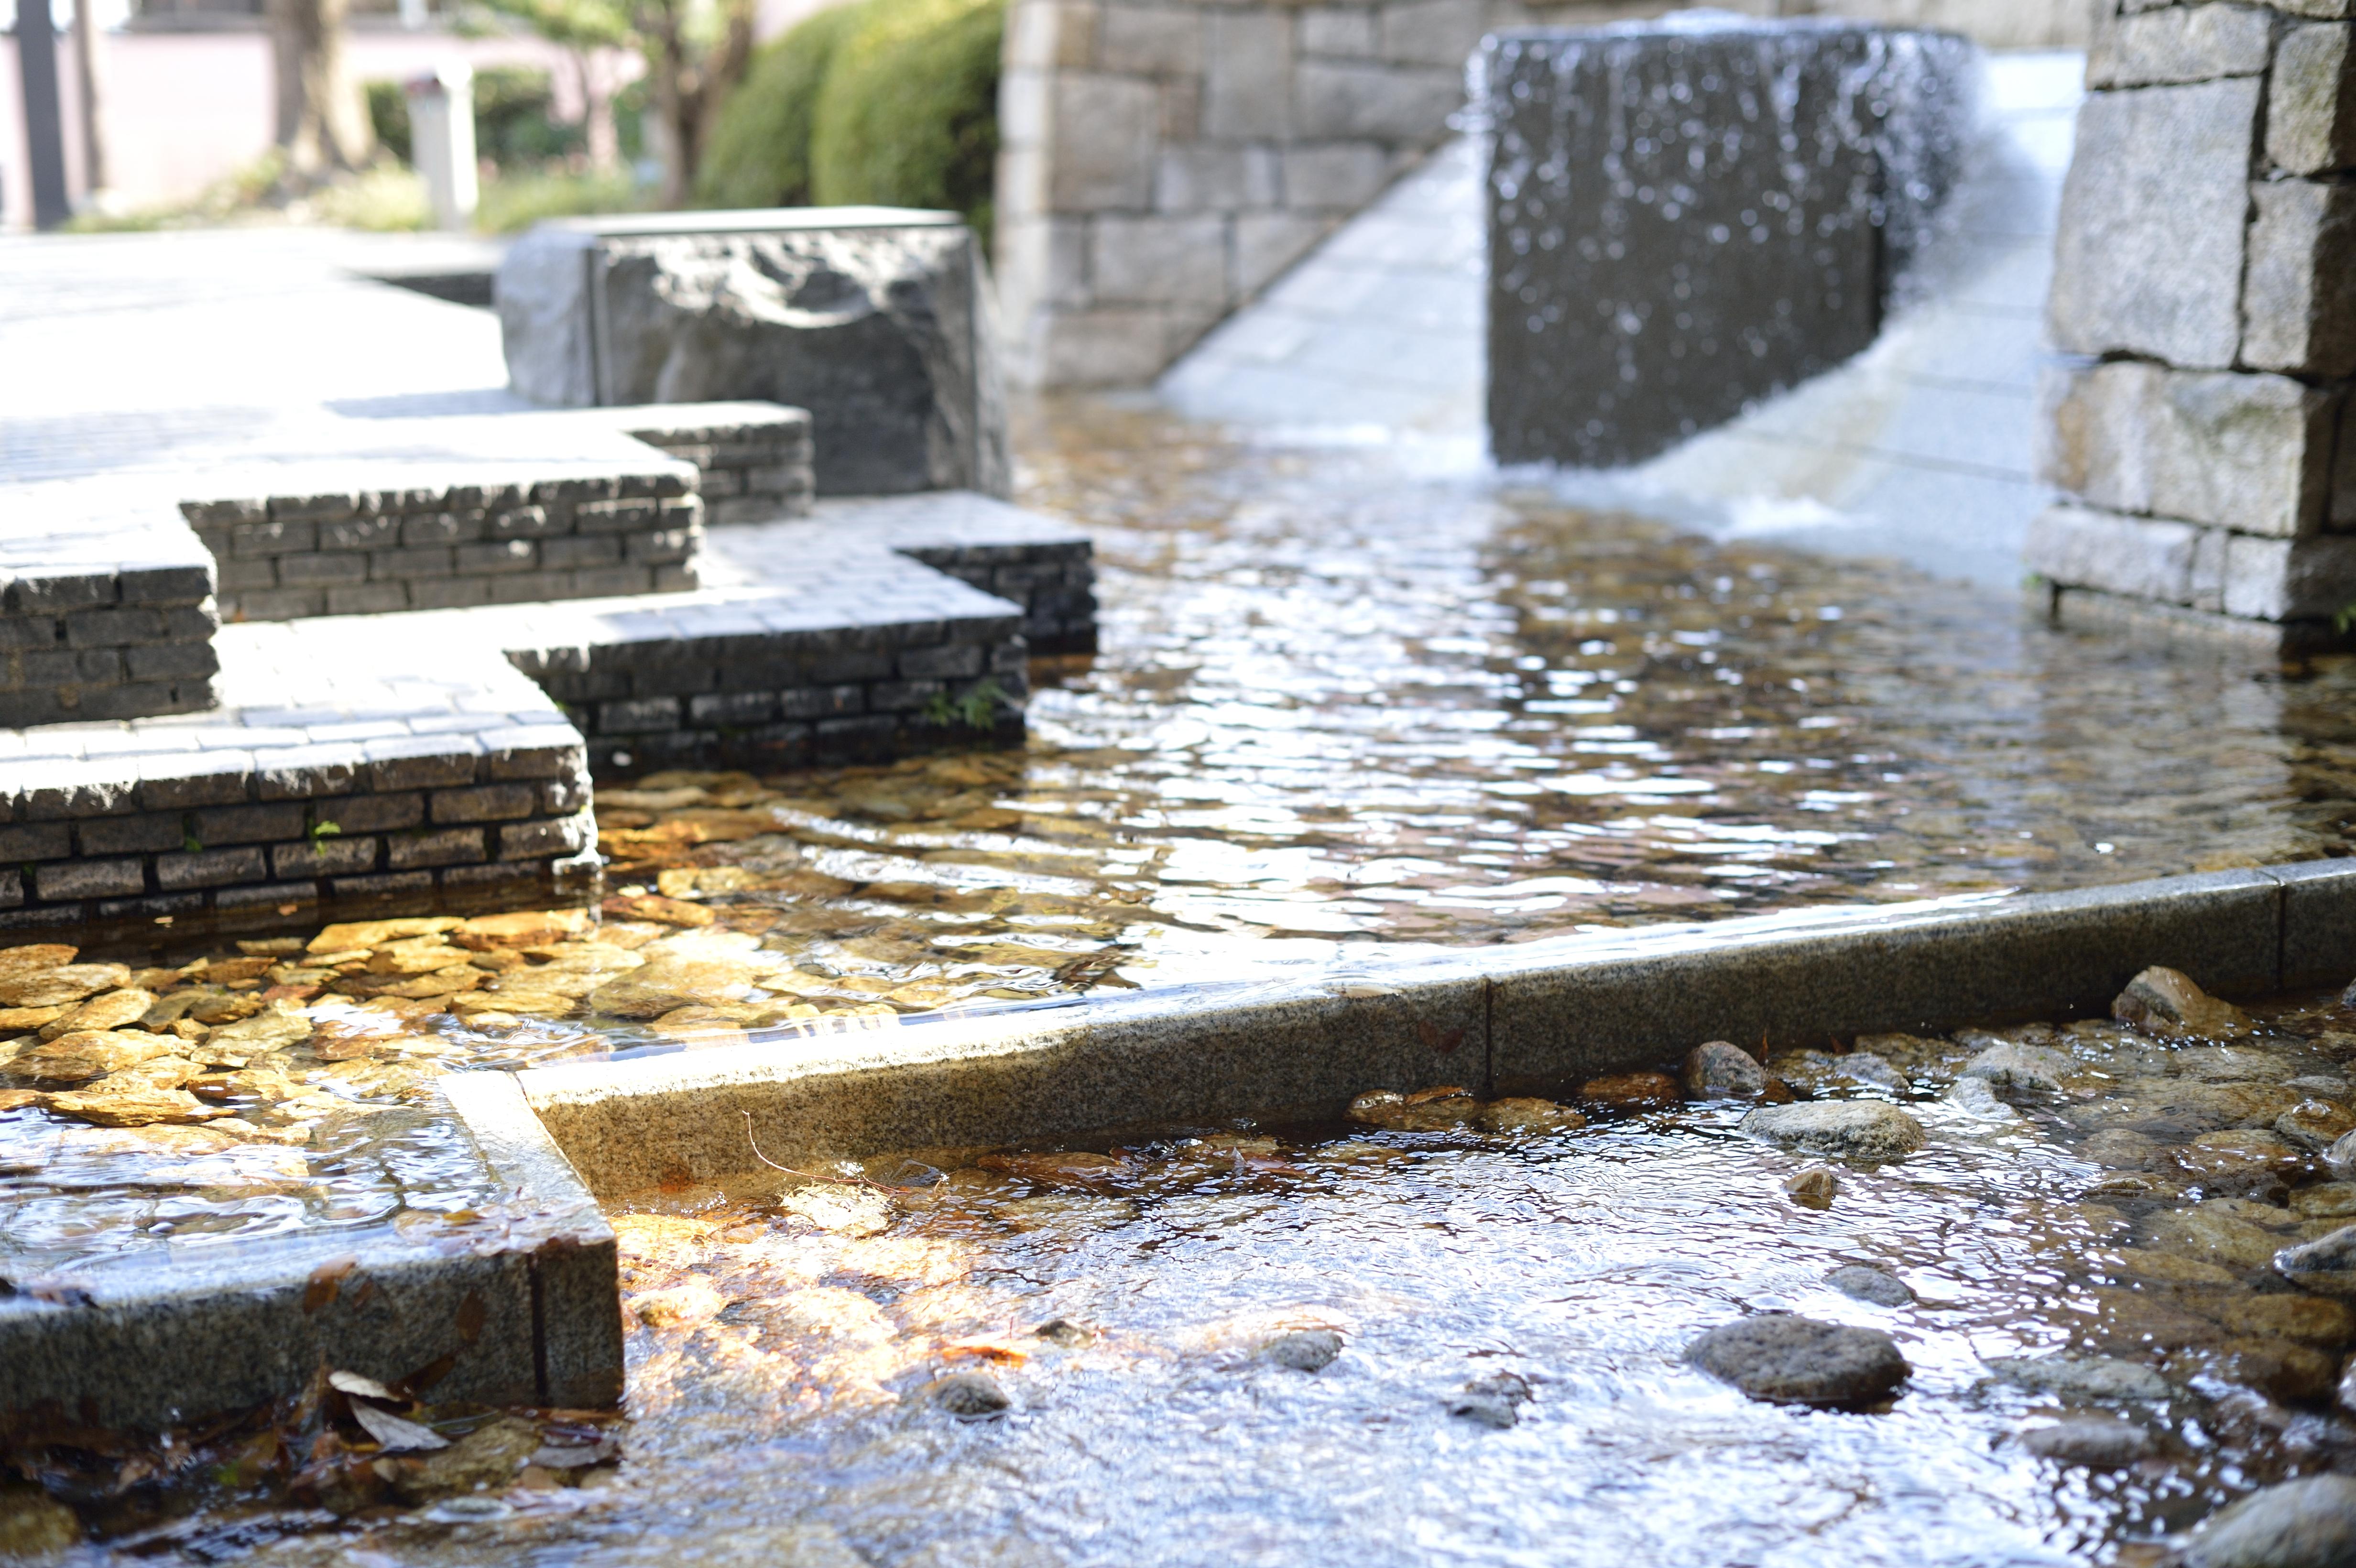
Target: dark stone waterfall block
[875, 319]
[1687, 217]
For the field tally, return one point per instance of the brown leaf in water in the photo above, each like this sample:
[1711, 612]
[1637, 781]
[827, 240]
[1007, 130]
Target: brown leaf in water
[471, 1314]
[395, 1435]
[1429, 1033]
[327, 1282]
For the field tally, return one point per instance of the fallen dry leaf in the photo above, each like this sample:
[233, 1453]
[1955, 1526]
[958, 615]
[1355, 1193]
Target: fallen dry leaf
[394, 1434]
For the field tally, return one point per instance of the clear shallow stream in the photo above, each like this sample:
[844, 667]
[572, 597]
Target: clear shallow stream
[1341, 703]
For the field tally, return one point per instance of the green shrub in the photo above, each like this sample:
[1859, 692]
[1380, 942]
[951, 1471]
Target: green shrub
[515, 119]
[516, 201]
[388, 108]
[759, 154]
[908, 115]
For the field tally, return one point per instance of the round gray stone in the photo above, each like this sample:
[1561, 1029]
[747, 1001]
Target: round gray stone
[2082, 1377]
[1304, 1349]
[2097, 1442]
[1871, 1285]
[1859, 1129]
[1787, 1359]
[2307, 1523]
[1720, 1070]
[969, 1395]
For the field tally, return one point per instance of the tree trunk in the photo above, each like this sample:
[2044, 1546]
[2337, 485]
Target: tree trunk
[90, 76]
[689, 85]
[601, 140]
[323, 124]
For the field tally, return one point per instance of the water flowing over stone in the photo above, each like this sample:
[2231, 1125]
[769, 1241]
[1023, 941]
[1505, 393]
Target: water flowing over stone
[1689, 214]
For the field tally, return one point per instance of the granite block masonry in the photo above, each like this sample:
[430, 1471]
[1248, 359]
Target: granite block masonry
[1689, 216]
[2204, 295]
[100, 622]
[876, 319]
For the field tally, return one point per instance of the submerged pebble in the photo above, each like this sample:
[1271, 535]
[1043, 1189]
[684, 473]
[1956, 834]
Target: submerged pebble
[969, 1396]
[2098, 1443]
[1303, 1350]
[1720, 1070]
[1785, 1359]
[1872, 1284]
[2307, 1523]
[1626, 1094]
[1495, 1401]
[2165, 1001]
[2082, 1377]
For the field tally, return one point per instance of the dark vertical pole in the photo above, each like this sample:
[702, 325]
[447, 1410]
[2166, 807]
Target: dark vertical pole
[45, 134]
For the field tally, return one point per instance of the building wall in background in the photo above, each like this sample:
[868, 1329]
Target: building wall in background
[185, 110]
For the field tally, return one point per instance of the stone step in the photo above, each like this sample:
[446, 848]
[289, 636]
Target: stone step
[440, 758]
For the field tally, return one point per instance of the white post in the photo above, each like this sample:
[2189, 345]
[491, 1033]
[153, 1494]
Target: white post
[441, 140]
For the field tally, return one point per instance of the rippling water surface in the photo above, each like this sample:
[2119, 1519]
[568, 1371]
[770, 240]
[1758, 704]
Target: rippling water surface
[1338, 701]
[792, 1336]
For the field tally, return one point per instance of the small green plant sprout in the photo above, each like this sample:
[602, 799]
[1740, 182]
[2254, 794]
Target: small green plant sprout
[2345, 621]
[977, 710]
[324, 829]
[191, 842]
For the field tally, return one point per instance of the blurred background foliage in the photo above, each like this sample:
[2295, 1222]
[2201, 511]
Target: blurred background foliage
[889, 101]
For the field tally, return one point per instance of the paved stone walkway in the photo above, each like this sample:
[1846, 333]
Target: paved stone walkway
[222, 368]
[1920, 449]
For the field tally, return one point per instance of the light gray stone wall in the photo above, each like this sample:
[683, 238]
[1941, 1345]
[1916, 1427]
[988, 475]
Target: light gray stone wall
[2205, 289]
[1163, 163]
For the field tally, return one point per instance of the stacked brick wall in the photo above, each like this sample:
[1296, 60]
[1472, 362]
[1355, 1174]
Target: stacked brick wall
[433, 818]
[372, 552]
[753, 471]
[1055, 583]
[2206, 274]
[716, 690]
[83, 645]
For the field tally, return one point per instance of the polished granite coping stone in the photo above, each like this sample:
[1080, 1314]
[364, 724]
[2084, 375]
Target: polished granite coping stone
[1536, 1018]
[520, 1306]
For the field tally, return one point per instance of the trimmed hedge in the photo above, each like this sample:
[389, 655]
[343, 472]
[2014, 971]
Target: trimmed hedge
[888, 101]
[759, 154]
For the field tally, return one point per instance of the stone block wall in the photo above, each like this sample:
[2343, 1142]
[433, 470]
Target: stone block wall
[372, 552]
[2205, 287]
[97, 644]
[711, 692]
[1162, 163]
[753, 470]
[498, 813]
[1055, 583]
